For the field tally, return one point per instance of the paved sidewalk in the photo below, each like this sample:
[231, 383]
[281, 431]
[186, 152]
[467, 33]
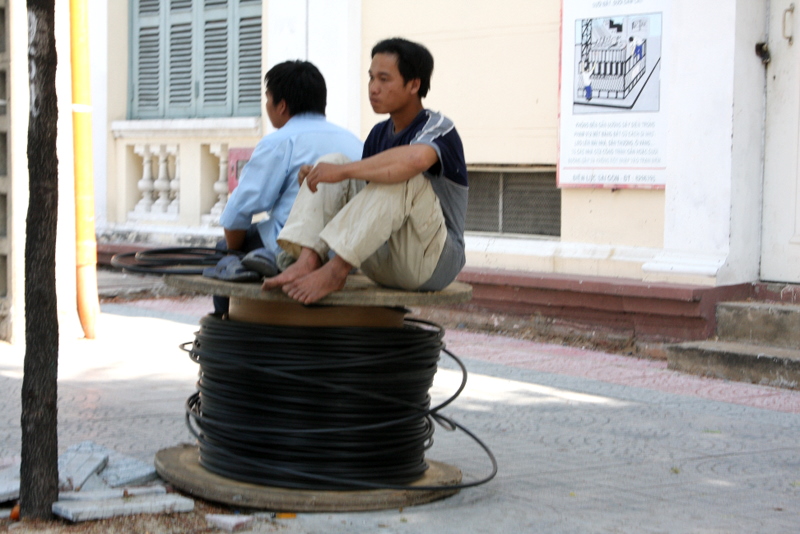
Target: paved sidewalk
[586, 441]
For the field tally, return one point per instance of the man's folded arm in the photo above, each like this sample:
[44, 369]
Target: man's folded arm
[398, 164]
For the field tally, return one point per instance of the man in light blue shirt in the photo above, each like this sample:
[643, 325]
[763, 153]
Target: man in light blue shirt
[296, 99]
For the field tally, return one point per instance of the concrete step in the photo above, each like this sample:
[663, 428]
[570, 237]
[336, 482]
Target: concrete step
[649, 311]
[743, 362]
[774, 324]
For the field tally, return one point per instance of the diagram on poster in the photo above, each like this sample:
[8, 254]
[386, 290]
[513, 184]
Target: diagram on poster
[612, 122]
[617, 62]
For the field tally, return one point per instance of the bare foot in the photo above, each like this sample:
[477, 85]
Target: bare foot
[319, 283]
[308, 262]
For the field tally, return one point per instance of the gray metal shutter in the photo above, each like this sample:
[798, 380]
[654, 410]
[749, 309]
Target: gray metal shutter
[524, 203]
[531, 204]
[483, 213]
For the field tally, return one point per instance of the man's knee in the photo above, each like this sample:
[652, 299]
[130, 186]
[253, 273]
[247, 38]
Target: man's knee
[410, 189]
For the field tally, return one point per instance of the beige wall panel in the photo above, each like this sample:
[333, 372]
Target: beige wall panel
[625, 217]
[479, 259]
[604, 261]
[495, 75]
[590, 267]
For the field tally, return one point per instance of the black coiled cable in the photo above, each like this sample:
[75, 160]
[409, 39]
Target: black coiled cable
[173, 260]
[319, 408]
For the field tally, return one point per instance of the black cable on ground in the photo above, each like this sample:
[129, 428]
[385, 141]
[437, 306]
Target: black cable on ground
[319, 408]
[174, 260]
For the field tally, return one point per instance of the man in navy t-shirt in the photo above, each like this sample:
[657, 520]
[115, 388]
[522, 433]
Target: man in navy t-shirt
[398, 214]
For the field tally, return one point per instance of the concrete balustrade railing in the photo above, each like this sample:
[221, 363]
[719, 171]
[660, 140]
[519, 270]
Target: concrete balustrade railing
[160, 196]
[172, 176]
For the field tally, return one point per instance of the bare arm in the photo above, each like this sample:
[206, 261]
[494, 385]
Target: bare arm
[235, 238]
[392, 166]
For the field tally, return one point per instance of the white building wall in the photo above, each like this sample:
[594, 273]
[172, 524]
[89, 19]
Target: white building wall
[747, 148]
[328, 34]
[697, 93]
[334, 46]
[714, 99]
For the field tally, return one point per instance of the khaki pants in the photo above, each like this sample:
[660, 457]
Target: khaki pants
[394, 233]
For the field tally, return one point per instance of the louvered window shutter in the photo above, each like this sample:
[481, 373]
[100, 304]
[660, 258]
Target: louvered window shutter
[247, 70]
[216, 61]
[195, 58]
[180, 101]
[146, 68]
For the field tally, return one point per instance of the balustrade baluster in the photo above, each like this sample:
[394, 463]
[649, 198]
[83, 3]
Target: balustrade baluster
[162, 183]
[221, 185]
[145, 184]
[175, 184]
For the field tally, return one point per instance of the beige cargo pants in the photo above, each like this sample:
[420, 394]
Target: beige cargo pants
[395, 233]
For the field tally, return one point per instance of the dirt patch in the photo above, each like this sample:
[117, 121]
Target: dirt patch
[540, 329]
[193, 522]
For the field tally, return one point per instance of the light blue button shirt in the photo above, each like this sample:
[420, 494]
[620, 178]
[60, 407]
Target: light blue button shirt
[268, 182]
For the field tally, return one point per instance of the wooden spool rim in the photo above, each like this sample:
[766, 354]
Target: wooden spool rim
[180, 466]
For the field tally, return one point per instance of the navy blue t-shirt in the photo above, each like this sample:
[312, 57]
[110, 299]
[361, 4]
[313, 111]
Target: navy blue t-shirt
[430, 128]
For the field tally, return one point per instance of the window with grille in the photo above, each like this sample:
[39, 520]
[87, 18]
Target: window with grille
[195, 58]
[506, 202]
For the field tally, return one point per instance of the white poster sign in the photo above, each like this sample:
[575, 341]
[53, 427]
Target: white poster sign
[612, 126]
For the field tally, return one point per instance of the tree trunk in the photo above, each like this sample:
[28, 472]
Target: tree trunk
[39, 469]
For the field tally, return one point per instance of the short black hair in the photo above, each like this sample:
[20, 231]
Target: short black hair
[300, 84]
[414, 61]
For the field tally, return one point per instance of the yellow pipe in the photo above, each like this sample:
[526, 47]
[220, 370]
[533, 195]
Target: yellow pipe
[86, 242]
